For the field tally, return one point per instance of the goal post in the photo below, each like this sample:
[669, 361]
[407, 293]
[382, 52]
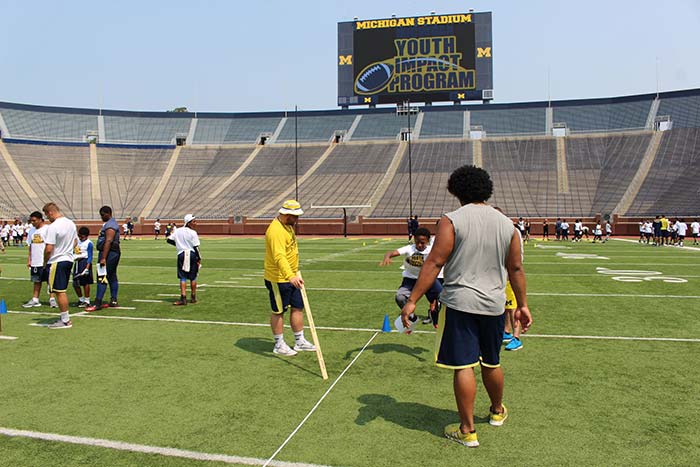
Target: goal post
[344, 207]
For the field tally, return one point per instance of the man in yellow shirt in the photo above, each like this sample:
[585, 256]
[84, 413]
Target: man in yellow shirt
[664, 230]
[282, 279]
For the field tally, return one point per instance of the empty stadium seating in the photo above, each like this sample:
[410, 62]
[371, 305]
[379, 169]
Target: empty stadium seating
[48, 126]
[233, 130]
[672, 187]
[149, 130]
[57, 173]
[225, 173]
[128, 176]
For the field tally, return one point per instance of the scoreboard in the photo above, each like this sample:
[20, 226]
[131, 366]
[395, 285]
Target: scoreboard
[421, 58]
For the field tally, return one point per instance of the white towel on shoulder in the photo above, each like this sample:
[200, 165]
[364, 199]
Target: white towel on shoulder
[186, 261]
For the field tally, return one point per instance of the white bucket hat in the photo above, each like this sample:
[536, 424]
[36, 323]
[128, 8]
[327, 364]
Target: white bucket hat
[291, 206]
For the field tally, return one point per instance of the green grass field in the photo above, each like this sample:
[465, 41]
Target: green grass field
[606, 376]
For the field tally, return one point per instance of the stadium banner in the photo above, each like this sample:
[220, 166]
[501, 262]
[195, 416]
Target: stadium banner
[422, 59]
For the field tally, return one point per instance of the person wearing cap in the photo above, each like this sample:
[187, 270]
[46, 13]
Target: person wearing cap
[108, 260]
[189, 260]
[282, 279]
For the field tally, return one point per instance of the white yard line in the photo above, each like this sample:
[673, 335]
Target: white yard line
[143, 448]
[692, 248]
[149, 301]
[346, 329]
[313, 409]
[341, 289]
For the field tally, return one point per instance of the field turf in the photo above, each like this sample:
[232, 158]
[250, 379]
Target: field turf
[606, 377]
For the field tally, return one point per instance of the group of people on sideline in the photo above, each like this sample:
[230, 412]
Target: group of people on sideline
[662, 231]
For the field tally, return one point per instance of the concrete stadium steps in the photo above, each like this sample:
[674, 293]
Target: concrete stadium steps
[270, 172]
[198, 173]
[671, 186]
[524, 172]
[233, 130]
[48, 126]
[431, 165]
[57, 173]
[128, 177]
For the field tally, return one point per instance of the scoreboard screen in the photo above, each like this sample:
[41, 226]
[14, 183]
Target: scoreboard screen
[422, 59]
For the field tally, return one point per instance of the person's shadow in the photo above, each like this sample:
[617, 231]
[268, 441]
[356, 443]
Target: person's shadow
[387, 348]
[411, 415]
[263, 347]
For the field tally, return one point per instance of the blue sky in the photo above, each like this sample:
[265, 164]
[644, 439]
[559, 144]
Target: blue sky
[258, 55]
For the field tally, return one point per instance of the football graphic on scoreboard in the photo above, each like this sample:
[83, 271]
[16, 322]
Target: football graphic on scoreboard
[374, 78]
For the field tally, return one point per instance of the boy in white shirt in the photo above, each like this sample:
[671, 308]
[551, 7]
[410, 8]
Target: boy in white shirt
[35, 262]
[414, 257]
[189, 260]
[695, 230]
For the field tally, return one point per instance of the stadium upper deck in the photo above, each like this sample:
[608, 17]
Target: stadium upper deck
[59, 124]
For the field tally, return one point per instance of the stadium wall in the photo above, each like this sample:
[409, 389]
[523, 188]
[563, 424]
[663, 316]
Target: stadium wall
[360, 226]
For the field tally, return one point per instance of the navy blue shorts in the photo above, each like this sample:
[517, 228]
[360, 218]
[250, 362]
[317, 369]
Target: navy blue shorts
[194, 267]
[78, 267]
[39, 274]
[465, 340]
[283, 295]
[59, 276]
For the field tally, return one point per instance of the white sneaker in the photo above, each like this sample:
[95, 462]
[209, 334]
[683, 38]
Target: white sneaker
[304, 345]
[284, 349]
[31, 303]
[53, 303]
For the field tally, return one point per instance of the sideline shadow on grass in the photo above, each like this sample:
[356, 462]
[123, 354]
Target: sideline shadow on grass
[411, 415]
[387, 348]
[263, 347]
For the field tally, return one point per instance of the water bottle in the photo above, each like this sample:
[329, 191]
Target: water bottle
[398, 324]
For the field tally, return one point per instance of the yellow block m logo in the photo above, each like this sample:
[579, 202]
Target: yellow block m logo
[345, 60]
[485, 52]
[368, 100]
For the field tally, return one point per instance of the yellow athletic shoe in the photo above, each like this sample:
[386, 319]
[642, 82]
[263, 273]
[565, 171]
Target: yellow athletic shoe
[497, 419]
[455, 434]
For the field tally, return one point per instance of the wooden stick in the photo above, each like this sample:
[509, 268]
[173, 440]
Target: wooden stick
[312, 328]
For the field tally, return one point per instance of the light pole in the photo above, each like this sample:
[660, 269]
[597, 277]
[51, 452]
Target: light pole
[407, 105]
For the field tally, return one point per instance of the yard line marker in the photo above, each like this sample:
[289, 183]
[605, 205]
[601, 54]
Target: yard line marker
[615, 338]
[313, 409]
[331, 328]
[147, 301]
[169, 452]
[635, 241]
[167, 294]
[340, 289]
[8, 338]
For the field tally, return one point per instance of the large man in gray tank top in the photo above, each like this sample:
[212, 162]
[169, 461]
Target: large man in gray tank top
[479, 249]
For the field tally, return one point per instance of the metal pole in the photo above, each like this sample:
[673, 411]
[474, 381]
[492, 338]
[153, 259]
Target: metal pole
[345, 223]
[410, 165]
[296, 156]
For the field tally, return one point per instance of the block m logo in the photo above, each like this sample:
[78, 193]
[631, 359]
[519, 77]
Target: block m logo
[485, 52]
[344, 59]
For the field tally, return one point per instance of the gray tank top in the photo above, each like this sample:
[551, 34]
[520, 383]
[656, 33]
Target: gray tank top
[475, 272]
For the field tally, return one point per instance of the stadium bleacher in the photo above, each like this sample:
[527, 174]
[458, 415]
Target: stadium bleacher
[535, 174]
[144, 130]
[431, 165]
[58, 173]
[603, 116]
[48, 126]
[233, 130]
[315, 128]
[128, 176]
[672, 187]
[506, 121]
